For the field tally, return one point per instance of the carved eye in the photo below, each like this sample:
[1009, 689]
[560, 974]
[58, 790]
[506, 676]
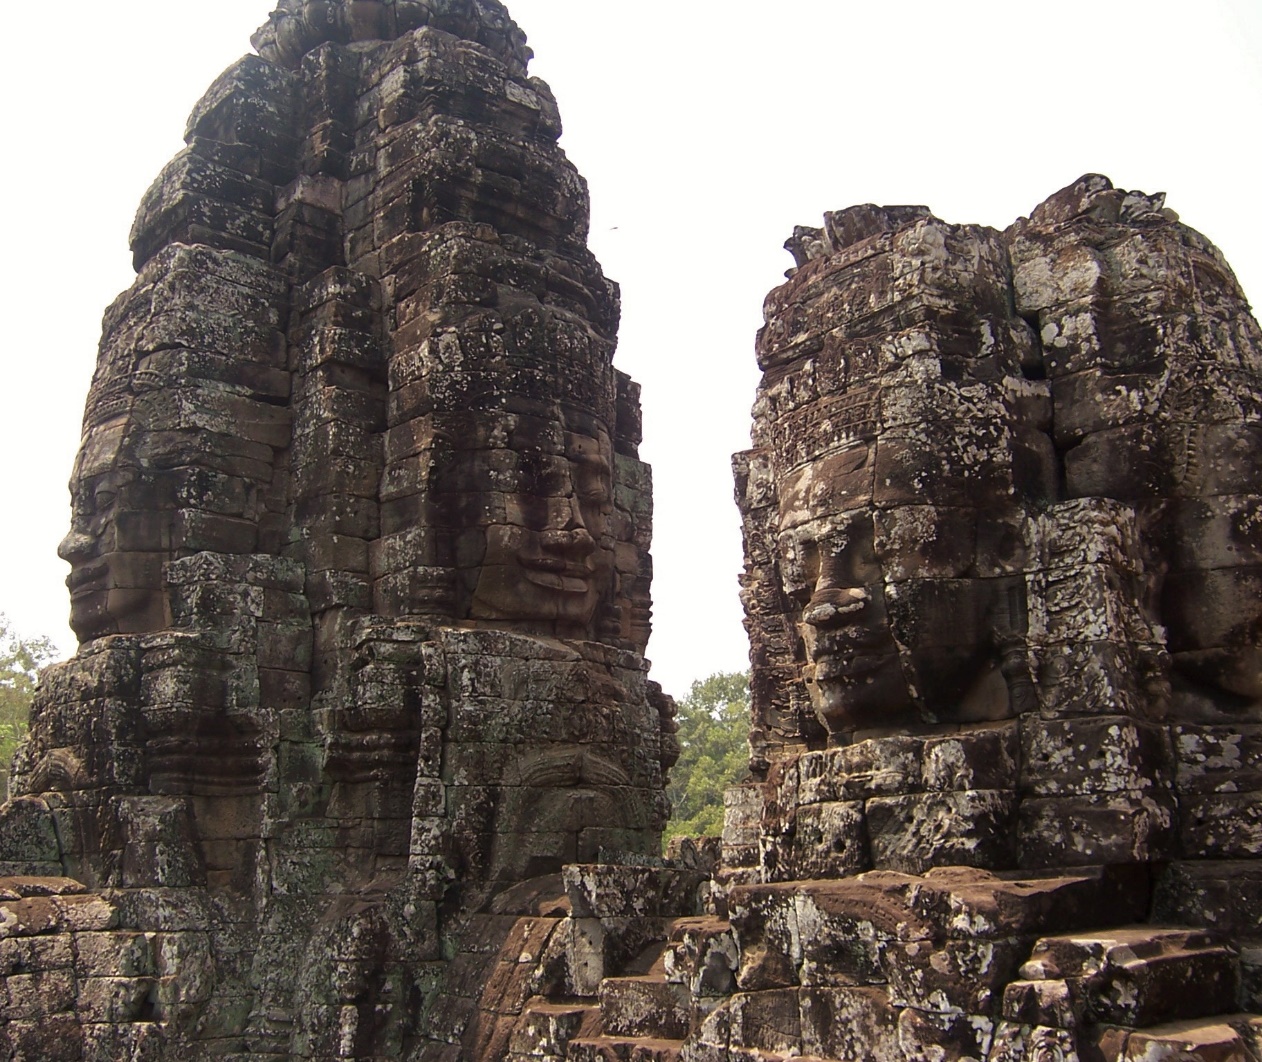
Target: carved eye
[592, 479]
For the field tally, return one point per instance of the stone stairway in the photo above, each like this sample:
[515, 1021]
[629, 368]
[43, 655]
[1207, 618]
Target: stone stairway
[646, 1003]
[599, 966]
[546, 1027]
[647, 1012]
[1137, 992]
[956, 964]
[1231, 1038]
[1132, 976]
[826, 969]
[650, 1010]
[625, 1049]
[505, 989]
[652, 1000]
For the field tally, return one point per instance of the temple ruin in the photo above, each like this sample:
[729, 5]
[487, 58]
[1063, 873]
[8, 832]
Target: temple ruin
[359, 757]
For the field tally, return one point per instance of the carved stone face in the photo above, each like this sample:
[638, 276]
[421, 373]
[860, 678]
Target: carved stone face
[1156, 378]
[90, 554]
[830, 570]
[551, 559]
[114, 581]
[1212, 608]
[896, 446]
[886, 643]
[568, 803]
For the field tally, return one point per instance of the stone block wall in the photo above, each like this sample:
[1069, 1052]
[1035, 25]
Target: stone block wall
[359, 559]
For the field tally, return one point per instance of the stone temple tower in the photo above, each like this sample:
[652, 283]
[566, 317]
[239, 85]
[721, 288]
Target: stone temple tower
[1002, 590]
[359, 758]
[359, 567]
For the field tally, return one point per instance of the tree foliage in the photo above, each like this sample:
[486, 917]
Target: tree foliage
[20, 661]
[714, 753]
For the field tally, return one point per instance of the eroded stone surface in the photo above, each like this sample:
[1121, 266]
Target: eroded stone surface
[359, 757]
[998, 590]
[359, 569]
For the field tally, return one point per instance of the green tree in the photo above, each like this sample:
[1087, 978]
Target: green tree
[714, 753]
[20, 661]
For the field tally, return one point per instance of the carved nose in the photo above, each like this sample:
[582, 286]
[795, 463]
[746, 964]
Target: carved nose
[566, 529]
[75, 546]
[836, 605]
[577, 541]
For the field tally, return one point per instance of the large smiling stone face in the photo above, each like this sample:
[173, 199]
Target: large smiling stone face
[551, 560]
[898, 445]
[1155, 365]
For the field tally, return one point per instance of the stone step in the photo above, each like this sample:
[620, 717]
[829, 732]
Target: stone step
[546, 1027]
[624, 1049]
[611, 890]
[1231, 1038]
[650, 961]
[647, 1005]
[871, 927]
[1134, 976]
[701, 954]
[1250, 972]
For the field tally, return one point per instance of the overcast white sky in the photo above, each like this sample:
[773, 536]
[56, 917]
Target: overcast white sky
[707, 130]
